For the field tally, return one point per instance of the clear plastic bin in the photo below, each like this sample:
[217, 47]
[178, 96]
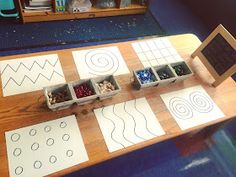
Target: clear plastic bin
[75, 6]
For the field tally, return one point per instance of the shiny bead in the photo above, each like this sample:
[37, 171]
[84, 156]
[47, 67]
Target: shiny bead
[163, 75]
[179, 69]
[146, 76]
[83, 90]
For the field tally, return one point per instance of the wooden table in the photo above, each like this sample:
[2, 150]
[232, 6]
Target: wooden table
[30, 108]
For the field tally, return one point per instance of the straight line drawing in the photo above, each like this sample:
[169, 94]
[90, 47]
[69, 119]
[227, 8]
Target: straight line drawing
[124, 124]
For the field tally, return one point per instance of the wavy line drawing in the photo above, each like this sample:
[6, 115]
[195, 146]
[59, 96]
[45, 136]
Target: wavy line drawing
[135, 125]
[114, 126]
[33, 81]
[127, 125]
[101, 61]
[29, 68]
[135, 106]
[123, 131]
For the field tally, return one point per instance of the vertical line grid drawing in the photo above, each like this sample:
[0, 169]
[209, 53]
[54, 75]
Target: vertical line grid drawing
[45, 148]
[156, 51]
[29, 74]
[128, 123]
[99, 61]
[191, 107]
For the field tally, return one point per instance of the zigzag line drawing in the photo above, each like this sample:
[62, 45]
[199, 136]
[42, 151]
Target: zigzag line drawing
[29, 68]
[33, 81]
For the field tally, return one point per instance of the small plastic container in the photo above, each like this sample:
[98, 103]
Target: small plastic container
[56, 89]
[166, 74]
[76, 6]
[110, 78]
[106, 4]
[86, 99]
[125, 3]
[139, 84]
[182, 70]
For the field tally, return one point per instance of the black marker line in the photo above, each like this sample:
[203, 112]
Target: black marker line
[135, 125]
[135, 106]
[30, 68]
[27, 77]
[114, 127]
[123, 131]
[173, 105]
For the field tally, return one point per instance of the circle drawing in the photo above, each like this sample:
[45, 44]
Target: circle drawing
[19, 170]
[52, 159]
[69, 153]
[32, 132]
[47, 128]
[200, 102]
[65, 137]
[17, 152]
[37, 164]
[180, 108]
[15, 137]
[100, 62]
[50, 141]
[63, 124]
[34, 146]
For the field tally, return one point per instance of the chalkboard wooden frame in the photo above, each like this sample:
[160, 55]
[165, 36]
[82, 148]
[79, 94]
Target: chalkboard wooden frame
[219, 78]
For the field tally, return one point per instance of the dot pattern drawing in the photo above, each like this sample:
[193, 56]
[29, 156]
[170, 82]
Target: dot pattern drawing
[191, 107]
[127, 123]
[24, 75]
[156, 51]
[59, 141]
[99, 62]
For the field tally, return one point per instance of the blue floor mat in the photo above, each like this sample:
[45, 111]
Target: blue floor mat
[159, 160]
[55, 33]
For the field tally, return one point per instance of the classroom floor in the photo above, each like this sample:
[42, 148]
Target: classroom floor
[212, 158]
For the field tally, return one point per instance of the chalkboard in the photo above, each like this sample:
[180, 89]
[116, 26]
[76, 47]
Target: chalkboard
[220, 54]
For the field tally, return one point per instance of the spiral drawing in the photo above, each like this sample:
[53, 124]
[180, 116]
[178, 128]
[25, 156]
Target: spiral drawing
[180, 108]
[101, 61]
[200, 102]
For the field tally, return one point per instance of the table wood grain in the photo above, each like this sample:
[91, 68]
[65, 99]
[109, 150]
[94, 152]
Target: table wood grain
[30, 108]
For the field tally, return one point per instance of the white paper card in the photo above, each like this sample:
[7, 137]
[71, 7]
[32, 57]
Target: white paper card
[100, 61]
[128, 123]
[45, 148]
[156, 51]
[23, 75]
[191, 107]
